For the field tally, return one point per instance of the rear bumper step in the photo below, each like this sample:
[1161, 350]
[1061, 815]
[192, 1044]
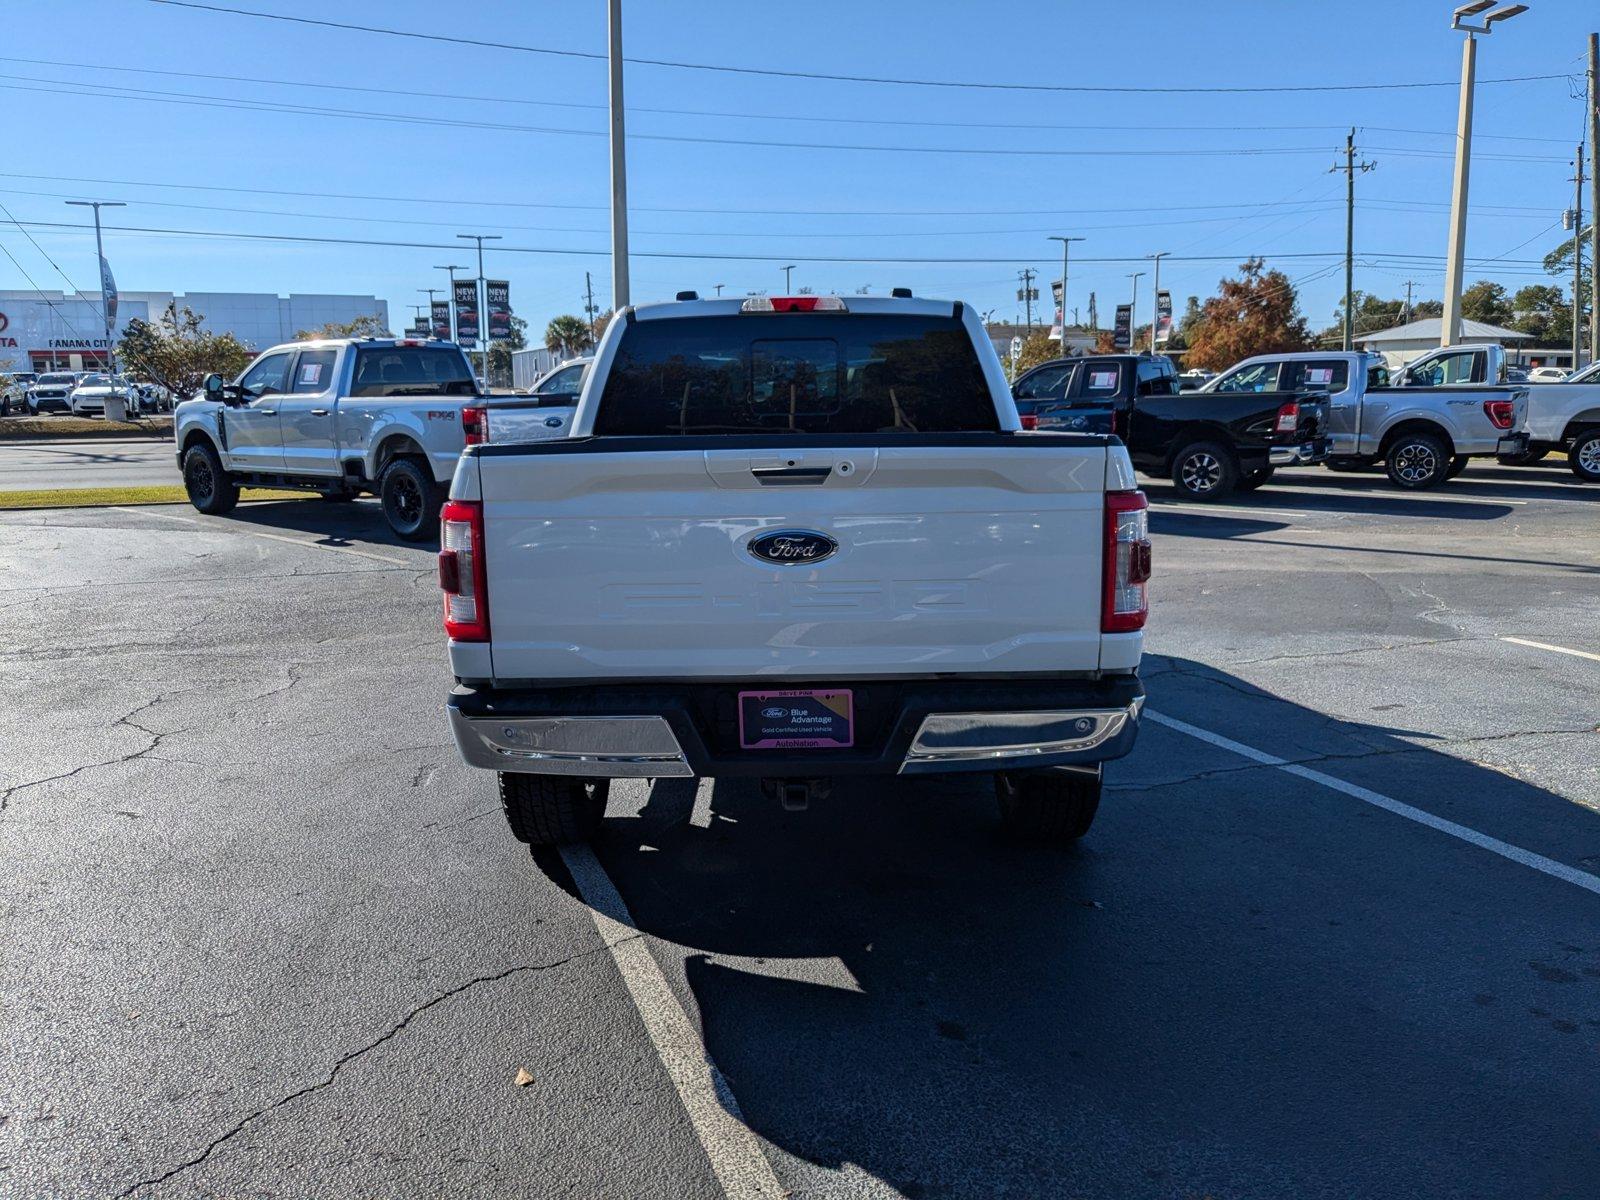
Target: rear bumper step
[909, 729]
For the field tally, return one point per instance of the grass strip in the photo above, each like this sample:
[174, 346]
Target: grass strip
[106, 497]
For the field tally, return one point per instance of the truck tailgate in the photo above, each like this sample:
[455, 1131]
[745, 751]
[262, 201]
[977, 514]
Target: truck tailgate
[631, 558]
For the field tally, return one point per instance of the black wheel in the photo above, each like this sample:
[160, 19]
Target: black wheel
[1249, 481]
[410, 498]
[549, 810]
[1205, 471]
[1526, 459]
[1417, 461]
[1457, 465]
[210, 488]
[1349, 466]
[1052, 806]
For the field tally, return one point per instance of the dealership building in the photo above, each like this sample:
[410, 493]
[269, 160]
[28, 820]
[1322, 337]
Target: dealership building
[63, 331]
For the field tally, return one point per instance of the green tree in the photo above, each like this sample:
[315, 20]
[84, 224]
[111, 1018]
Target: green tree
[370, 325]
[1541, 309]
[178, 354]
[1486, 301]
[1038, 348]
[500, 353]
[1257, 313]
[567, 335]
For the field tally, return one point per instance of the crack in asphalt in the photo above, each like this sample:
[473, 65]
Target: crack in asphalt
[354, 1055]
[1247, 662]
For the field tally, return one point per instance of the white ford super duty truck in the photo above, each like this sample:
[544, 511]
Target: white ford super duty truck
[342, 417]
[795, 538]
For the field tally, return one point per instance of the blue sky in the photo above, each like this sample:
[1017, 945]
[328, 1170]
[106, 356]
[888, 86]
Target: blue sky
[1145, 172]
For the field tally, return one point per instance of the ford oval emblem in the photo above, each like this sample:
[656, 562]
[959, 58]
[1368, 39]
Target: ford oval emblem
[793, 547]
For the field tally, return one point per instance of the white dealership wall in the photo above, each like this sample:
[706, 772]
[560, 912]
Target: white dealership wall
[40, 330]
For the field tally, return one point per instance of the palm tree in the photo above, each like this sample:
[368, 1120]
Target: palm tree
[566, 334]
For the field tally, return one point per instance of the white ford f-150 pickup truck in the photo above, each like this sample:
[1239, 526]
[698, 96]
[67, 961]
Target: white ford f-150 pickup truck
[343, 417]
[795, 538]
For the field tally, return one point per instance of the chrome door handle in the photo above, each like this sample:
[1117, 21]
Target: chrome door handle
[267, 412]
[319, 412]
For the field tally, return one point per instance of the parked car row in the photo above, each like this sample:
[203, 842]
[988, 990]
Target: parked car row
[79, 393]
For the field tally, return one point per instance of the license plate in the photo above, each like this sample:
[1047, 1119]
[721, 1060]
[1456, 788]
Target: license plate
[806, 719]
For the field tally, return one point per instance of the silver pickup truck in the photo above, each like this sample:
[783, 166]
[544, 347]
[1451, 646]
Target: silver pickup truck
[341, 417]
[1424, 434]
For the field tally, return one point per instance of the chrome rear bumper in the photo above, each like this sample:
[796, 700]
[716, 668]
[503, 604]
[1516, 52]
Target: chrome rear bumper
[645, 746]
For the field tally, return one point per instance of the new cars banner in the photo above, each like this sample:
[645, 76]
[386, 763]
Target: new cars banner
[1163, 317]
[499, 304]
[441, 319]
[466, 312]
[1122, 333]
[110, 286]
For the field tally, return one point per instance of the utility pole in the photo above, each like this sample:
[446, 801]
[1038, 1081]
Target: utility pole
[1066, 245]
[1156, 297]
[1450, 327]
[1094, 314]
[1027, 275]
[452, 268]
[1577, 260]
[1409, 285]
[1133, 313]
[100, 265]
[483, 300]
[1594, 198]
[588, 305]
[786, 272]
[619, 163]
[719, 287]
[1350, 167]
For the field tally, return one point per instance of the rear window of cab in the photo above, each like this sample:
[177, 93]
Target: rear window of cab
[411, 371]
[812, 373]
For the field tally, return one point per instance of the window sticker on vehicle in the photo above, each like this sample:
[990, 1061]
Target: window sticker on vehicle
[1101, 381]
[310, 374]
[1319, 375]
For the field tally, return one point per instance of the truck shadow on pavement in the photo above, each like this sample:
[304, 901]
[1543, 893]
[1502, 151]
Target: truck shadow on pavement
[356, 523]
[1241, 983]
[1362, 501]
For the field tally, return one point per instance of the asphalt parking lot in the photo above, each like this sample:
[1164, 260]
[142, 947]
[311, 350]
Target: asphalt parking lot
[1335, 933]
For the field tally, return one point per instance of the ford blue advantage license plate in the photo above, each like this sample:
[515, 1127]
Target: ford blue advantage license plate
[806, 719]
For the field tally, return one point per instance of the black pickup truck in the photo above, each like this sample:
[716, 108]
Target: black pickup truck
[1208, 443]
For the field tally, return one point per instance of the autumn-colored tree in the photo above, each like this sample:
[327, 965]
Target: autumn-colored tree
[1257, 313]
[1037, 349]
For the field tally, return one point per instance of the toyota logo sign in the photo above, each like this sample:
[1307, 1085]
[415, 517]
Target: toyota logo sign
[5, 322]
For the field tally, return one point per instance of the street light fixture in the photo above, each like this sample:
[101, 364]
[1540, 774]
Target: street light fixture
[786, 272]
[1066, 245]
[106, 314]
[1450, 326]
[483, 299]
[1155, 310]
[452, 268]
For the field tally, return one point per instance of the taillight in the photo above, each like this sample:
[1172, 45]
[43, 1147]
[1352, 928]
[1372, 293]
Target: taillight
[1126, 566]
[475, 425]
[1114, 430]
[461, 573]
[1029, 420]
[793, 304]
[1288, 417]
[1500, 412]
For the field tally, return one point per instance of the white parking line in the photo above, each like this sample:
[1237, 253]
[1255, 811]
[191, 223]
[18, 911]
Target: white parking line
[1556, 649]
[1527, 858]
[276, 537]
[735, 1152]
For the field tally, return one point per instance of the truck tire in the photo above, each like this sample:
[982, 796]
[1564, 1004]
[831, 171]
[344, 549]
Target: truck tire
[1205, 471]
[1417, 461]
[211, 489]
[1584, 457]
[1457, 465]
[1052, 807]
[1249, 481]
[550, 810]
[411, 499]
[1526, 459]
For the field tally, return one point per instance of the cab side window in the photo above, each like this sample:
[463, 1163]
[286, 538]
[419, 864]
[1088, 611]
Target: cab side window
[1255, 377]
[1330, 376]
[1047, 383]
[1446, 369]
[1156, 379]
[314, 372]
[269, 376]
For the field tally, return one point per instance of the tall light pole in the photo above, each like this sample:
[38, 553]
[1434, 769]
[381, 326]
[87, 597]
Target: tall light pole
[1133, 311]
[1450, 327]
[452, 268]
[719, 287]
[483, 300]
[1155, 313]
[786, 272]
[1066, 245]
[100, 265]
[619, 164]
[1350, 167]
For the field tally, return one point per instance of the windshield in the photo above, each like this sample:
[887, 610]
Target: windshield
[58, 379]
[812, 373]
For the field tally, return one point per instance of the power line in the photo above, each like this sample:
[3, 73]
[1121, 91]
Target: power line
[98, 311]
[773, 72]
[44, 296]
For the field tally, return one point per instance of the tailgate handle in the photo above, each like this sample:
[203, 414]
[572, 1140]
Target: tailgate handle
[791, 476]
